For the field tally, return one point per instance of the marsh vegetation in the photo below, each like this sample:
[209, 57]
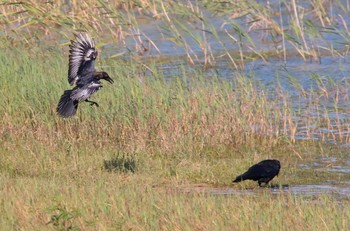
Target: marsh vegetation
[203, 90]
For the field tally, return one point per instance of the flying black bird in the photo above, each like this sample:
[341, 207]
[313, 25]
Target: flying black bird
[263, 172]
[82, 74]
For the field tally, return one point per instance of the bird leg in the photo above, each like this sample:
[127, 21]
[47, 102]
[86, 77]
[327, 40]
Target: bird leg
[92, 103]
[261, 182]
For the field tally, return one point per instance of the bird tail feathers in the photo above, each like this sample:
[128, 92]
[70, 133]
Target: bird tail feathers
[66, 106]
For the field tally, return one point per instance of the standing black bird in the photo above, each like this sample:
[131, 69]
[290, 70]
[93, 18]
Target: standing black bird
[263, 172]
[82, 73]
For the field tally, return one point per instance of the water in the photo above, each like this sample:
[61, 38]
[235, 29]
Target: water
[339, 190]
[331, 164]
[158, 32]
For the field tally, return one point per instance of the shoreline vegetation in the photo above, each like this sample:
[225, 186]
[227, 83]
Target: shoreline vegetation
[124, 165]
[308, 30]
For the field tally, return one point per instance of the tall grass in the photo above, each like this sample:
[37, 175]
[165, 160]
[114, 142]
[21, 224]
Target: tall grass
[148, 112]
[136, 113]
[290, 28]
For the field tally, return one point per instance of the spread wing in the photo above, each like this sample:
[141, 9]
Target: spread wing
[82, 55]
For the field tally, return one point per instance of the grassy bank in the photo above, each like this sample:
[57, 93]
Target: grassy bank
[102, 201]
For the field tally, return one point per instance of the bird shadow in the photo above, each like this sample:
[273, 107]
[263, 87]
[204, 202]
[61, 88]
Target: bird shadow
[120, 163]
[277, 186]
[269, 186]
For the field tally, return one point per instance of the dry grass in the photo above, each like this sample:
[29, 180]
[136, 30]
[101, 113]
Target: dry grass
[130, 202]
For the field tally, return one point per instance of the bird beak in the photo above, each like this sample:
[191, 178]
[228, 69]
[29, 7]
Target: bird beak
[109, 80]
